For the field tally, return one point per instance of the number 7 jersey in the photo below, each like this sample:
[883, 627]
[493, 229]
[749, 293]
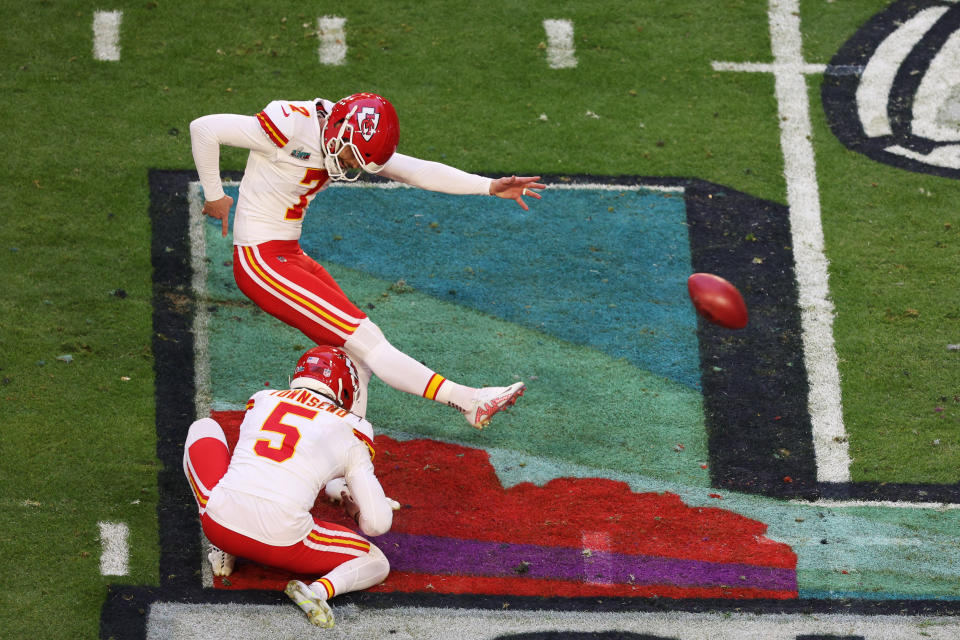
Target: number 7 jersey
[283, 175]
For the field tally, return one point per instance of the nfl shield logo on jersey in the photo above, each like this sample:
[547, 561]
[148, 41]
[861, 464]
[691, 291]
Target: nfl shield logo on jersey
[367, 121]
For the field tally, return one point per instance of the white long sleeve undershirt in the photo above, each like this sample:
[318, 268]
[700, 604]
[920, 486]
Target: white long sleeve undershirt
[207, 133]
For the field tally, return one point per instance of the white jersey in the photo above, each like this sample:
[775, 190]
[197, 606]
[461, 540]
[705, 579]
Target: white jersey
[292, 442]
[285, 169]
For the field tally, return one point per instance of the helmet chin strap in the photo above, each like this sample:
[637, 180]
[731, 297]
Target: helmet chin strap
[331, 160]
[326, 391]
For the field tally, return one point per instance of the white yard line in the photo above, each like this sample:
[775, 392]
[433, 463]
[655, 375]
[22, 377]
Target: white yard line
[115, 553]
[560, 48]
[106, 35]
[333, 40]
[803, 198]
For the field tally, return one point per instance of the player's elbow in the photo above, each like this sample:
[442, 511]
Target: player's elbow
[199, 128]
[377, 525]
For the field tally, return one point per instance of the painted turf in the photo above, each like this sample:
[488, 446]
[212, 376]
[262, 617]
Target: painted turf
[869, 551]
[646, 422]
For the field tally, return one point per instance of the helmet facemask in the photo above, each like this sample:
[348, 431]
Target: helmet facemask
[333, 147]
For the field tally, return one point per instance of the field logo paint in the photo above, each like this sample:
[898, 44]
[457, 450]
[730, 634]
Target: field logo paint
[892, 91]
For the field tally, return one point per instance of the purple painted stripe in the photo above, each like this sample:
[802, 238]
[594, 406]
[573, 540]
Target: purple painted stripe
[437, 555]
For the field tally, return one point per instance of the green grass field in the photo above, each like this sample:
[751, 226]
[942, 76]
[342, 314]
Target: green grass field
[471, 85]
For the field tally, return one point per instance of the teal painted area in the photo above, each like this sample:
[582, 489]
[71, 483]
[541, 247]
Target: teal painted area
[859, 595]
[584, 405]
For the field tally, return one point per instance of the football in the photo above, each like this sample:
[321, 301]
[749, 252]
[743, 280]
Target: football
[717, 300]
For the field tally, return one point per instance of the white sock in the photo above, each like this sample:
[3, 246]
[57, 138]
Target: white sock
[402, 372]
[353, 575]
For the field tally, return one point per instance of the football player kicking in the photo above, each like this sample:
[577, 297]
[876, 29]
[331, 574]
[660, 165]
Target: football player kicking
[296, 149]
[293, 444]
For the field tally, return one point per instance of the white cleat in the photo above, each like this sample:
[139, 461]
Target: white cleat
[318, 611]
[221, 562]
[489, 400]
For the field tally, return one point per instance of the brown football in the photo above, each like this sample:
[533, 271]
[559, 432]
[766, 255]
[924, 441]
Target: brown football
[717, 300]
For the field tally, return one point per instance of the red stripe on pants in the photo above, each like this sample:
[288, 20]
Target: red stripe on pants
[297, 557]
[330, 323]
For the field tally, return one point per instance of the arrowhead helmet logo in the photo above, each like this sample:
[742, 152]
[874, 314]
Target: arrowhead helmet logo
[367, 121]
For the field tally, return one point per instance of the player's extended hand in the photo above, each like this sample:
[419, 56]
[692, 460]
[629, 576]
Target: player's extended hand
[514, 188]
[219, 209]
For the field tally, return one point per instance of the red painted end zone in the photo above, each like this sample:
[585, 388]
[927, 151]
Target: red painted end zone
[460, 531]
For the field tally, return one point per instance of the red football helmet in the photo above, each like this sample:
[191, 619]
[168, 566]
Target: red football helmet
[329, 372]
[366, 124]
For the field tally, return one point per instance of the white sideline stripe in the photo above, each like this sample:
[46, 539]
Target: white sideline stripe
[106, 35]
[831, 449]
[115, 550]
[201, 334]
[177, 621]
[333, 40]
[560, 49]
[201, 317]
[893, 504]
[803, 197]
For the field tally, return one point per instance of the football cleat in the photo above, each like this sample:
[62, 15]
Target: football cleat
[318, 611]
[489, 400]
[221, 562]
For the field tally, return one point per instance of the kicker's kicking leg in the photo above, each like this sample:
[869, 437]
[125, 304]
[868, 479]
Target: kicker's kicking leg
[371, 348]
